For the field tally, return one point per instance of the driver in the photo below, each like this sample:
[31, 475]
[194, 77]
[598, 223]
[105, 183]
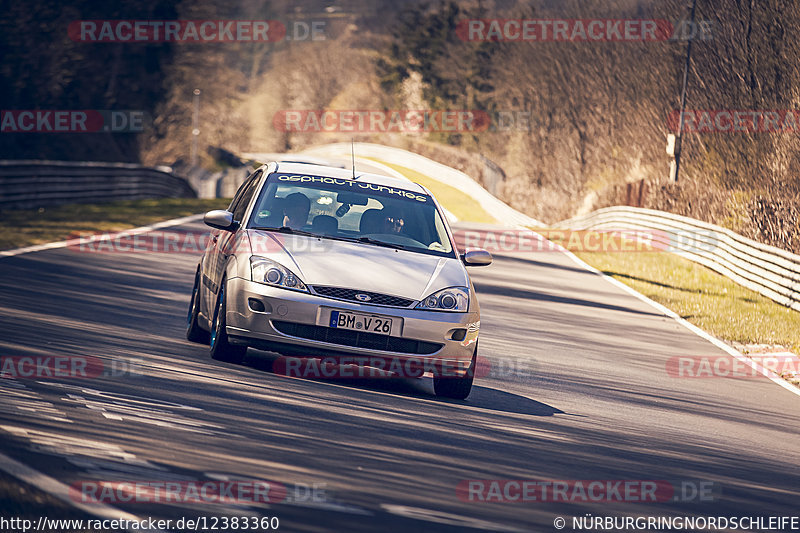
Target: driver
[295, 210]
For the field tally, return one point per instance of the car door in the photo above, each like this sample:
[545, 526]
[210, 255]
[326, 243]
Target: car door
[221, 243]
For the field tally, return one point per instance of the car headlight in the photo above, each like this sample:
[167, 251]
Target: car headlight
[454, 299]
[272, 273]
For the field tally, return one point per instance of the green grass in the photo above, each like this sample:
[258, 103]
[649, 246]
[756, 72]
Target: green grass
[461, 205]
[708, 300]
[36, 226]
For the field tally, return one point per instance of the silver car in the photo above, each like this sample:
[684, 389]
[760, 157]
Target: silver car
[314, 261]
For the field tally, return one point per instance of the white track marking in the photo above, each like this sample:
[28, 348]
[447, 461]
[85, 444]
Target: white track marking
[767, 373]
[92, 238]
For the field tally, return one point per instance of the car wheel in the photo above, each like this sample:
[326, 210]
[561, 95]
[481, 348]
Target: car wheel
[221, 349]
[453, 387]
[194, 332]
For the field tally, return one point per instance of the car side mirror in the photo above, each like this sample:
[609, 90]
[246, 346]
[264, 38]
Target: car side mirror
[220, 219]
[477, 258]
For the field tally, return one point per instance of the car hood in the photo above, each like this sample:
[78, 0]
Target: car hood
[360, 266]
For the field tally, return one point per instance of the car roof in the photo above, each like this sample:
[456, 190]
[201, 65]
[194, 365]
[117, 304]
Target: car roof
[310, 169]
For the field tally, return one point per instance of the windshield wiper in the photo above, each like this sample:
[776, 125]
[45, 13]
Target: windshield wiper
[366, 240]
[287, 229]
[376, 242]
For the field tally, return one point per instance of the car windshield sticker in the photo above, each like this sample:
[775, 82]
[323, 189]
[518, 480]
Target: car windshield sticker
[352, 185]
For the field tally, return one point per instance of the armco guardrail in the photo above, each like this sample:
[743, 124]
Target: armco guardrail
[773, 272]
[31, 184]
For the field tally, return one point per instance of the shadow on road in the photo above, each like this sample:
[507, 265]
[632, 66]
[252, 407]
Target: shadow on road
[513, 292]
[390, 440]
[484, 398]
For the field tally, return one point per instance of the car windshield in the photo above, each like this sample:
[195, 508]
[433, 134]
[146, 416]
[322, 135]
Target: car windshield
[352, 210]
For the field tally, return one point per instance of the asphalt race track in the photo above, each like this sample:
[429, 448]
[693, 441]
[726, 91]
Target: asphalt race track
[577, 389]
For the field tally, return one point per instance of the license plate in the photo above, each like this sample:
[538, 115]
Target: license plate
[359, 322]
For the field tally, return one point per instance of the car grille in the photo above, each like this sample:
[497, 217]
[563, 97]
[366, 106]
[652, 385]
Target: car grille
[358, 339]
[350, 295]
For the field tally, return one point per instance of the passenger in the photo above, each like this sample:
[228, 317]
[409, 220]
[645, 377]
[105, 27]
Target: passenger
[393, 222]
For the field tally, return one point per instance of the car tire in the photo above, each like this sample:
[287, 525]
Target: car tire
[453, 387]
[194, 332]
[221, 348]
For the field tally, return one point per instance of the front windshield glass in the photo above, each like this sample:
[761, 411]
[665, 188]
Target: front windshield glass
[351, 210]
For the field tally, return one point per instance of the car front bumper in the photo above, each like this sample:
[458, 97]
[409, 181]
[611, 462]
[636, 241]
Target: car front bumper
[298, 324]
